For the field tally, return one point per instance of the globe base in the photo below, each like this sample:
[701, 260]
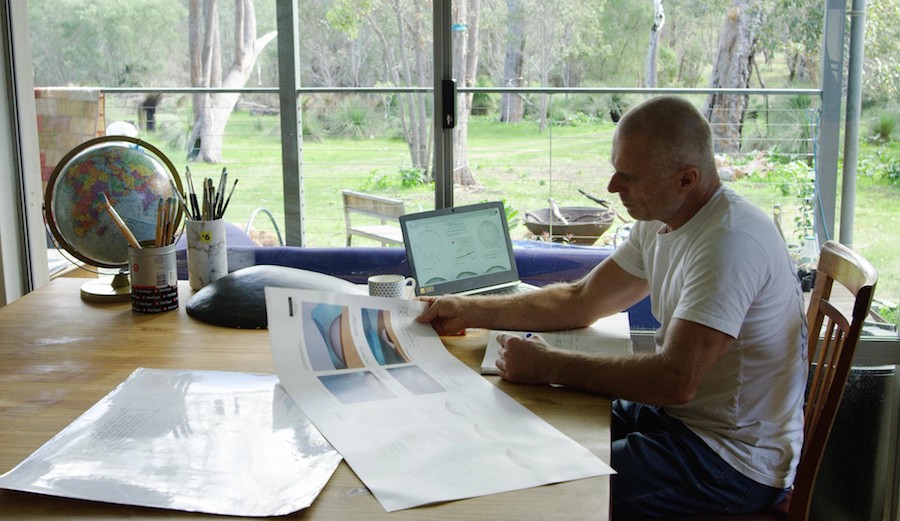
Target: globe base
[114, 289]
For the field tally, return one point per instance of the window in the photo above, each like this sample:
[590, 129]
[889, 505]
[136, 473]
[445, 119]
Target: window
[361, 94]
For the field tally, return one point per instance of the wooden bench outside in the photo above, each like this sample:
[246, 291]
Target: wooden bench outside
[382, 209]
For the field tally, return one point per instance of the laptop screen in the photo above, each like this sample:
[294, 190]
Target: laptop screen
[459, 249]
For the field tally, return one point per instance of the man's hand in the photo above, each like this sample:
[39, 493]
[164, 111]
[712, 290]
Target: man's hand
[446, 315]
[524, 359]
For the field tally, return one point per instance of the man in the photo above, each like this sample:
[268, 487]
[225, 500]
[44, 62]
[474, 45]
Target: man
[711, 422]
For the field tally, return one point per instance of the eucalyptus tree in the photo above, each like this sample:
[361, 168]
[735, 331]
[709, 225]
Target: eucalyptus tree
[208, 69]
[659, 19]
[793, 29]
[465, 16]
[512, 106]
[731, 69]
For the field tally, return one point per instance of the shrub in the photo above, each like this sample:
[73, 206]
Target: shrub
[883, 128]
[353, 117]
[483, 103]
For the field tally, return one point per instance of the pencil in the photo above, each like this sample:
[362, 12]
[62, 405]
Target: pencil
[159, 223]
[174, 221]
[132, 240]
[183, 206]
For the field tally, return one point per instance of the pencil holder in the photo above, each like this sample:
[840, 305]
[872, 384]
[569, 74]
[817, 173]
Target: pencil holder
[154, 278]
[207, 253]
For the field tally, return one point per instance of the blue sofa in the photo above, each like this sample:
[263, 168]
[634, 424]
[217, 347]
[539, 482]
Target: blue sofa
[538, 263]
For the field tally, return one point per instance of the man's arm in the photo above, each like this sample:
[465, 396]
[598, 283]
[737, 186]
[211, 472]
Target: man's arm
[607, 289]
[671, 376]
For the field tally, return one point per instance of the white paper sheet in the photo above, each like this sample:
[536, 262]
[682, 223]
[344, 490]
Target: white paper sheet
[201, 441]
[610, 335]
[415, 424]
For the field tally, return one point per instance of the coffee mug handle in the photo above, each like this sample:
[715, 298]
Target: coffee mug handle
[409, 282]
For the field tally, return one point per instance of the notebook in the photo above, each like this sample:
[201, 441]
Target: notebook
[462, 250]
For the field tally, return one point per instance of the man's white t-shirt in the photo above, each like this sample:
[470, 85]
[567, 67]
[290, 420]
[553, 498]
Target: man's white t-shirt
[728, 269]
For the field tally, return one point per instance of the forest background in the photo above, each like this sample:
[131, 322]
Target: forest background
[380, 142]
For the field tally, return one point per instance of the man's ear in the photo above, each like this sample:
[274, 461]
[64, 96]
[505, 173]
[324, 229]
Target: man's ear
[688, 177]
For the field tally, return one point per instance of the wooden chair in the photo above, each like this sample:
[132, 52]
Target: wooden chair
[382, 209]
[830, 356]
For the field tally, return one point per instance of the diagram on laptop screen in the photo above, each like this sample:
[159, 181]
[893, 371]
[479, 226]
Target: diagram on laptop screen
[458, 246]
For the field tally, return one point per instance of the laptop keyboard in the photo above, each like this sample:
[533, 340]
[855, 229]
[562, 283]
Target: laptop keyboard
[510, 290]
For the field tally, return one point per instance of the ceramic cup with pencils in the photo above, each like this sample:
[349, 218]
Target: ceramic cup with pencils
[207, 253]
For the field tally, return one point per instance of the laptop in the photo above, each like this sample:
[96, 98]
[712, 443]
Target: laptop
[463, 250]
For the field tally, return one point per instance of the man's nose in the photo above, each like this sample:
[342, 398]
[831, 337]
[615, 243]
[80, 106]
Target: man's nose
[613, 186]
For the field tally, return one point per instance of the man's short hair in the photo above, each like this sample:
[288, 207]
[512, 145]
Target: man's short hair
[677, 134]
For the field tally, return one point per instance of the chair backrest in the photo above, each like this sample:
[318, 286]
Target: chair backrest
[372, 205]
[383, 210]
[839, 329]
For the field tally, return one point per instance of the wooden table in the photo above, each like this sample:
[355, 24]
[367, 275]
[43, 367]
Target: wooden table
[59, 355]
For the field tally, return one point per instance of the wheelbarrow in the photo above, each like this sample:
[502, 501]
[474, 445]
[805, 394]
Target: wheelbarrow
[572, 224]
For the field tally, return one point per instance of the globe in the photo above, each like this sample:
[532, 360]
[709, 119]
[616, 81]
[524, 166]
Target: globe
[133, 175]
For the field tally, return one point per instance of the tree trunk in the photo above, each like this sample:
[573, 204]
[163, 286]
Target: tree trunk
[212, 110]
[659, 18]
[418, 135]
[148, 111]
[512, 107]
[731, 69]
[399, 69]
[465, 68]
[544, 61]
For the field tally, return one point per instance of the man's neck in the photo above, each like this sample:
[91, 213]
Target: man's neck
[691, 206]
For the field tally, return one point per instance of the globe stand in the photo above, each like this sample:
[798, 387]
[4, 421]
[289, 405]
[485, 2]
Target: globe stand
[108, 289]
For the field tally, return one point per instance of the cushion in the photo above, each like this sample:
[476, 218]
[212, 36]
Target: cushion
[238, 299]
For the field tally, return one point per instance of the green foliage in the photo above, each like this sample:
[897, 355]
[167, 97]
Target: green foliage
[348, 16]
[881, 68]
[791, 30]
[411, 176]
[883, 128]
[174, 134]
[890, 313]
[312, 127]
[512, 214]
[353, 117]
[113, 43]
[883, 166]
[484, 103]
[794, 179]
[376, 182]
[785, 127]
[406, 178]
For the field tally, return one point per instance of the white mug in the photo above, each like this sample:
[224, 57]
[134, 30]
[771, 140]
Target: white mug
[391, 286]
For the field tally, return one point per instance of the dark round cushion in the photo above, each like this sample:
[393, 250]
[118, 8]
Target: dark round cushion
[238, 299]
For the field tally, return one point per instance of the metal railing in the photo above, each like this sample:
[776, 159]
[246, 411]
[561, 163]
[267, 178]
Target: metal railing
[518, 163]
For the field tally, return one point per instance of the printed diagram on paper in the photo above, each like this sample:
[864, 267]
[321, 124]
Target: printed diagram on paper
[415, 424]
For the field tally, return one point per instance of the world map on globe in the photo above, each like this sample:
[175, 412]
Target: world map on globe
[135, 180]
